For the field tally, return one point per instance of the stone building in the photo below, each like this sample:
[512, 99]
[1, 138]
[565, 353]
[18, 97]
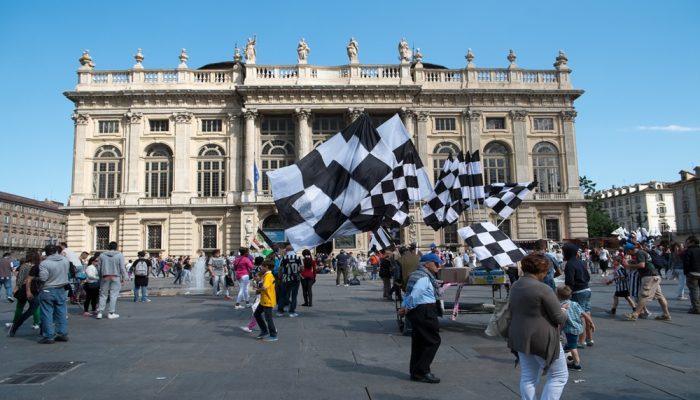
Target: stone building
[643, 205]
[167, 159]
[686, 193]
[29, 224]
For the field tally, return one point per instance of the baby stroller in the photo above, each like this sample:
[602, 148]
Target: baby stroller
[360, 270]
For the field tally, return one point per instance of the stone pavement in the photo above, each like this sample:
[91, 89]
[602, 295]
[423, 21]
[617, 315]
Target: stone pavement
[346, 347]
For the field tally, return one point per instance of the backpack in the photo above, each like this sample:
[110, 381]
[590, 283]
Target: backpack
[141, 268]
[354, 282]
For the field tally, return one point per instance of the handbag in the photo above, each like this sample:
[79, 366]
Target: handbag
[229, 280]
[499, 324]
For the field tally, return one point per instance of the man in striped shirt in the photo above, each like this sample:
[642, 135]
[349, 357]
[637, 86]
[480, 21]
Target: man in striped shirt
[289, 271]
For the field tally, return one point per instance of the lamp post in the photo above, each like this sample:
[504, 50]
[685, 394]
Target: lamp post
[641, 220]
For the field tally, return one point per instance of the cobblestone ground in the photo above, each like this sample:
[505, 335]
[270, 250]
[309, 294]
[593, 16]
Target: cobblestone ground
[345, 347]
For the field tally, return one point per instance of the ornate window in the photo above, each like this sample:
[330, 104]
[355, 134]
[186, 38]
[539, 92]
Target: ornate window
[211, 171]
[154, 237]
[159, 177]
[106, 173]
[545, 159]
[101, 237]
[325, 126]
[440, 154]
[496, 163]
[450, 236]
[275, 154]
[551, 227]
[209, 236]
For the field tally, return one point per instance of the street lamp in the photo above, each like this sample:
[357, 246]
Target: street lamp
[641, 220]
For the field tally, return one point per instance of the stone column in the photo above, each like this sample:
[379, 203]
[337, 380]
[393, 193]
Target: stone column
[182, 189]
[249, 142]
[130, 168]
[423, 127]
[234, 155]
[80, 165]
[570, 161]
[520, 151]
[408, 117]
[303, 133]
[473, 135]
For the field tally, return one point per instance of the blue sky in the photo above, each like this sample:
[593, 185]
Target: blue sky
[637, 61]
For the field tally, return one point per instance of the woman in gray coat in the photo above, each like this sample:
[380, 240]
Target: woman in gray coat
[534, 330]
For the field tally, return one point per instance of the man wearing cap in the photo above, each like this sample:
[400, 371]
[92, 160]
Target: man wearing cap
[420, 305]
[650, 287]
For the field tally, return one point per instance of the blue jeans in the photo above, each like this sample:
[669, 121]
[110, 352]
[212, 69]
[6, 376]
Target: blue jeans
[583, 299]
[53, 312]
[531, 370]
[291, 291]
[144, 293]
[7, 282]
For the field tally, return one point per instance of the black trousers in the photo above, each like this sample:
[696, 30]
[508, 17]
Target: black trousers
[425, 338]
[92, 294]
[266, 325]
[306, 286]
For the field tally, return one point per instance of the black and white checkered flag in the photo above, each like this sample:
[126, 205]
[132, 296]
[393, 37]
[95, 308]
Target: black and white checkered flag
[380, 240]
[472, 181]
[437, 211]
[492, 247]
[350, 183]
[504, 198]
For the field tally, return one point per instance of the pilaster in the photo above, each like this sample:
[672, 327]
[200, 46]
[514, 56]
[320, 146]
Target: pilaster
[423, 127]
[134, 130]
[249, 142]
[521, 151]
[80, 163]
[234, 156]
[408, 117]
[473, 136]
[303, 132]
[568, 118]
[182, 189]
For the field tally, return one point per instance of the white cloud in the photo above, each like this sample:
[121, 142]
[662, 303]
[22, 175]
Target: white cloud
[669, 128]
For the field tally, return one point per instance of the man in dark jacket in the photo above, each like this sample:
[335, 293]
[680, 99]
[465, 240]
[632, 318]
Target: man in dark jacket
[576, 276]
[691, 268]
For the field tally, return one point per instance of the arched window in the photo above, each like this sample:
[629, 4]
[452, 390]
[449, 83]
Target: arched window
[275, 154]
[211, 171]
[496, 163]
[440, 154]
[107, 173]
[159, 177]
[545, 159]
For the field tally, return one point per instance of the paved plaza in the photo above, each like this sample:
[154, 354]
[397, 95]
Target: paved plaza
[346, 347]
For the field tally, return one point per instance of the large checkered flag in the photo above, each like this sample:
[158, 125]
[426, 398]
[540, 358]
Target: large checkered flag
[492, 247]
[350, 183]
[472, 181]
[380, 239]
[504, 198]
[437, 208]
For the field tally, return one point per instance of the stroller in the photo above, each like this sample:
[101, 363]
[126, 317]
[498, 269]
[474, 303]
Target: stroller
[360, 270]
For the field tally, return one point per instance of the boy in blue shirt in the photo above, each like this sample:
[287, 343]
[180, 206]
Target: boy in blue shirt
[574, 324]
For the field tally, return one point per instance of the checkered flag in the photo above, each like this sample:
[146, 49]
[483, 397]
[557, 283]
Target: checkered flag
[491, 246]
[380, 239]
[438, 211]
[504, 198]
[472, 181]
[350, 184]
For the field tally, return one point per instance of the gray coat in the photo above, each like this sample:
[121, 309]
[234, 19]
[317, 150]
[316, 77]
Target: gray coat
[536, 315]
[112, 263]
[53, 271]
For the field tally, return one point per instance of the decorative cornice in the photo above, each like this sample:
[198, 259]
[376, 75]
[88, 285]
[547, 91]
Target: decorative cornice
[569, 115]
[423, 116]
[250, 114]
[472, 115]
[518, 115]
[80, 118]
[183, 117]
[408, 113]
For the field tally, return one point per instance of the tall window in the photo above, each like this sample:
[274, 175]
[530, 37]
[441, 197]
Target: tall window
[209, 237]
[211, 171]
[440, 154]
[551, 226]
[450, 236]
[106, 173]
[545, 160]
[275, 154]
[324, 127]
[154, 237]
[159, 161]
[659, 197]
[101, 237]
[496, 163]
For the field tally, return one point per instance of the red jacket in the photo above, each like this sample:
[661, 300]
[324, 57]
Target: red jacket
[308, 273]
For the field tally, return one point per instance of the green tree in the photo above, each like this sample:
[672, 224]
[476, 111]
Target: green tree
[599, 222]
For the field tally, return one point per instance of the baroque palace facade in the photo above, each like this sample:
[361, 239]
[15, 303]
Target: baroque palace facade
[168, 160]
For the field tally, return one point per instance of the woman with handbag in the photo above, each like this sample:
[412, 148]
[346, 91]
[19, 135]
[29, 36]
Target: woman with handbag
[534, 330]
[27, 289]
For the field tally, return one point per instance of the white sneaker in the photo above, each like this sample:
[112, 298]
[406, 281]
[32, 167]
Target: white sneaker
[293, 315]
[346, 285]
[99, 315]
[8, 324]
[112, 316]
[246, 329]
[238, 307]
[35, 327]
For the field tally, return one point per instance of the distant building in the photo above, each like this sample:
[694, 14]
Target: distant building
[642, 205]
[29, 224]
[686, 194]
[167, 160]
